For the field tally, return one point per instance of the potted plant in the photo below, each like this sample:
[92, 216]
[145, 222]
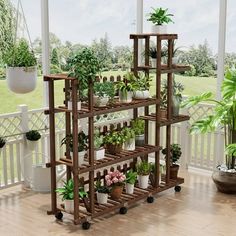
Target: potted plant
[129, 136]
[114, 141]
[103, 93]
[127, 87]
[115, 180]
[2, 143]
[99, 151]
[153, 55]
[223, 116]
[32, 138]
[159, 17]
[138, 126]
[69, 106]
[175, 154]
[21, 72]
[143, 85]
[143, 170]
[102, 193]
[131, 178]
[152, 173]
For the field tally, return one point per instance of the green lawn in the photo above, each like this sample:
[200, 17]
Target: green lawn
[10, 101]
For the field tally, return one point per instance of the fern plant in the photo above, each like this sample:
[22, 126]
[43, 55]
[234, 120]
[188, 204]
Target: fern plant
[160, 16]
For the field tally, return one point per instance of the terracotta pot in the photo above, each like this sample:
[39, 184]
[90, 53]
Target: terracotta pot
[174, 172]
[116, 192]
[114, 149]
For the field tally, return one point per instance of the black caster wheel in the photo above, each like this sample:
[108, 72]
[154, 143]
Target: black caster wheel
[59, 215]
[150, 199]
[86, 225]
[177, 189]
[123, 210]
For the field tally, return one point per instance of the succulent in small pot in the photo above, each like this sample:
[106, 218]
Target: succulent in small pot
[138, 126]
[99, 152]
[115, 180]
[129, 136]
[142, 86]
[131, 178]
[114, 141]
[102, 192]
[143, 170]
[32, 138]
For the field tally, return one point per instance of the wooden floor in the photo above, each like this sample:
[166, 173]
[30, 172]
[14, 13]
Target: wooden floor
[198, 210]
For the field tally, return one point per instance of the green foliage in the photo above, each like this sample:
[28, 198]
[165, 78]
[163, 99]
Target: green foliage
[175, 151]
[153, 52]
[2, 142]
[143, 168]
[142, 82]
[128, 133]
[20, 55]
[104, 89]
[54, 69]
[33, 135]
[129, 83]
[138, 126]
[55, 57]
[131, 177]
[114, 138]
[102, 189]
[230, 150]
[98, 139]
[2, 73]
[159, 16]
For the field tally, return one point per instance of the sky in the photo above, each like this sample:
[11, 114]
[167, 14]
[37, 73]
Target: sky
[81, 21]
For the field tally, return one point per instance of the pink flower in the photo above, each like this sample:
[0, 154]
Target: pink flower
[115, 180]
[107, 177]
[108, 182]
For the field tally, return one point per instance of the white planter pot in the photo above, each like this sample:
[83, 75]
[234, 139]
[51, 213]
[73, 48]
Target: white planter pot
[69, 206]
[21, 79]
[141, 94]
[99, 154]
[175, 60]
[100, 101]
[31, 144]
[125, 98]
[154, 62]
[159, 29]
[80, 157]
[102, 198]
[129, 188]
[129, 145]
[143, 181]
[70, 105]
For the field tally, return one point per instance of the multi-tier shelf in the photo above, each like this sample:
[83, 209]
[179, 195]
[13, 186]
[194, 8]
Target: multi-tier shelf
[96, 170]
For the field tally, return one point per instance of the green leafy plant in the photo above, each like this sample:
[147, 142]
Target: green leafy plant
[102, 189]
[160, 16]
[138, 126]
[223, 116]
[153, 52]
[142, 82]
[143, 168]
[2, 142]
[128, 134]
[175, 151]
[131, 177]
[98, 139]
[114, 138]
[33, 135]
[20, 55]
[104, 89]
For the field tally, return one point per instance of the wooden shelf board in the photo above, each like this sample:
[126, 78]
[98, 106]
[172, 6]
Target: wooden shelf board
[161, 36]
[165, 69]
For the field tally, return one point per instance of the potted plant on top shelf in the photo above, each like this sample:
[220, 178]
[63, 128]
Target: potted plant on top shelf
[32, 138]
[222, 117]
[143, 171]
[129, 136]
[21, 72]
[143, 85]
[138, 126]
[99, 151]
[131, 178]
[159, 17]
[102, 192]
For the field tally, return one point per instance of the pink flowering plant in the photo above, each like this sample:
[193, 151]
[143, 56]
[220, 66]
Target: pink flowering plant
[115, 178]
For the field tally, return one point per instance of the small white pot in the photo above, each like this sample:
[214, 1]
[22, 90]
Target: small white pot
[159, 29]
[154, 62]
[80, 157]
[21, 79]
[141, 94]
[125, 98]
[100, 101]
[143, 181]
[31, 144]
[102, 198]
[175, 60]
[129, 145]
[99, 154]
[129, 188]
[69, 206]
[70, 105]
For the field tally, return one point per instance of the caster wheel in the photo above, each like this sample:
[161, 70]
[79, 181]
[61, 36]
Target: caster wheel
[123, 210]
[177, 189]
[59, 215]
[86, 225]
[150, 199]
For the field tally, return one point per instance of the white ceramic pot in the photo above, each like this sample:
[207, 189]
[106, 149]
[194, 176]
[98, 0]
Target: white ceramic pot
[154, 62]
[100, 101]
[69, 206]
[21, 79]
[99, 154]
[159, 29]
[175, 60]
[129, 188]
[80, 157]
[143, 181]
[31, 144]
[129, 145]
[102, 198]
[125, 98]
[141, 94]
[70, 105]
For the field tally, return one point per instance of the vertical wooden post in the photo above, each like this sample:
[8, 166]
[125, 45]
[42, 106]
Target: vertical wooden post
[135, 113]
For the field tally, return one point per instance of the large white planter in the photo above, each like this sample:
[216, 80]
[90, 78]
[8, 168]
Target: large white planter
[129, 188]
[32, 144]
[129, 145]
[69, 206]
[99, 154]
[125, 98]
[70, 105]
[102, 198]
[100, 101]
[21, 79]
[80, 157]
[159, 29]
[141, 94]
[143, 181]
